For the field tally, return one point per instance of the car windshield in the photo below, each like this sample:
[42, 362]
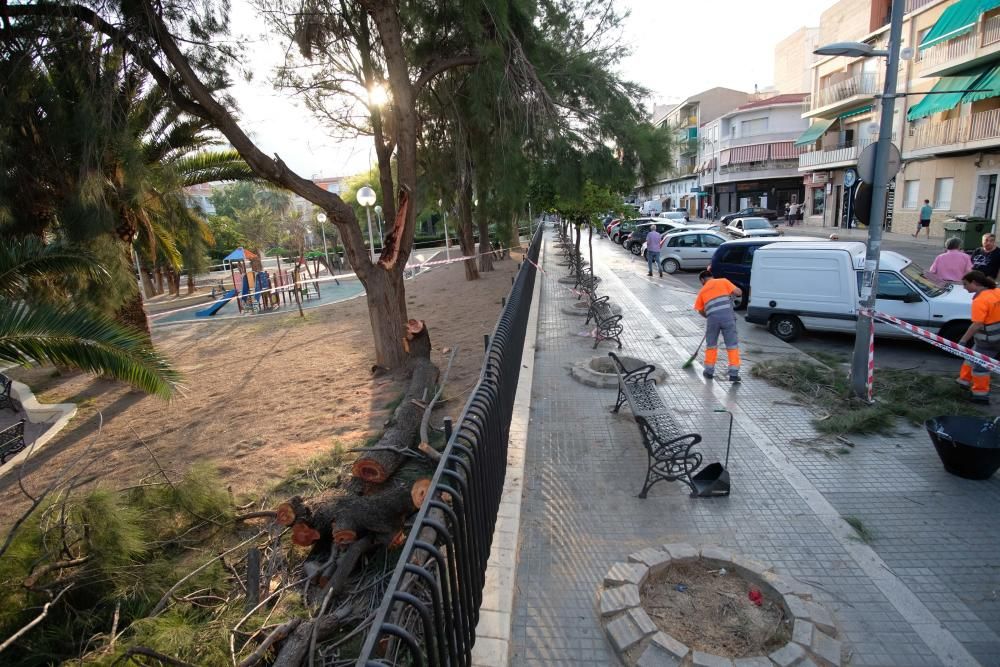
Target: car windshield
[928, 284]
[674, 216]
[756, 223]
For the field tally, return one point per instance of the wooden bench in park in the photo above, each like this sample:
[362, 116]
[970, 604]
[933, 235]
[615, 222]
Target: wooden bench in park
[11, 441]
[668, 450]
[5, 398]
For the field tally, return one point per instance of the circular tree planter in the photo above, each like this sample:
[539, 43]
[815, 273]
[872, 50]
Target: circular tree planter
[600, 371]
[808, 631]
[581, 307]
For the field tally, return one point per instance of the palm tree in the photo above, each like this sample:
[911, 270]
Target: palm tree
[33, 329]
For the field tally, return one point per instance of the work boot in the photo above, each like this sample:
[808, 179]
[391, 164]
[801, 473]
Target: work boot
[709, 373]
[735, 378]
[661, 274]
[980, 400]
[650, 273]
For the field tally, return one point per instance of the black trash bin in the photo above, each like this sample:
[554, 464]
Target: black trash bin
[968, 446]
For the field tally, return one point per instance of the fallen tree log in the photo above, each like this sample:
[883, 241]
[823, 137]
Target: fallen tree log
[379, 462]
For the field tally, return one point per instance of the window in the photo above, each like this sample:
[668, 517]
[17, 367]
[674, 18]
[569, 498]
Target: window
[688, 241]
[735, 255]
[942, 193]
[819, 201]
[710, 241]
[920, 37]
[752, 127]
[911, 194]
[891, 286]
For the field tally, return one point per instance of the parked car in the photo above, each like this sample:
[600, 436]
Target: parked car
[734, 259]
[742, 228]
[752, 212]
[620, 233]
[815, 286]
[689, 250]
[675, 215]
[637, 238]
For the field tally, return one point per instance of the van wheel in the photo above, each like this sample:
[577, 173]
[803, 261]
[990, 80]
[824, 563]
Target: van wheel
[671, 266]
[785, 327]
[954, 330]
[635, 249]
[741, 302]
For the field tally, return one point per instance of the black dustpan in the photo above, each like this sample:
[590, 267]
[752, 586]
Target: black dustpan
[713, 480]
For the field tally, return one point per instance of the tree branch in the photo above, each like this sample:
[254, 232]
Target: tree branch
[442, 65]
[35, 621]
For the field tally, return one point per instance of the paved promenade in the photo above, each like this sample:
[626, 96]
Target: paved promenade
[924, 593]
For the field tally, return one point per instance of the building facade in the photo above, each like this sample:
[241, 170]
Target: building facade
[679, 187]
[793, 59]
[748, 158]
[949, 140]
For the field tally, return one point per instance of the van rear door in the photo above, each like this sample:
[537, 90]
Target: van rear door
[818, 286]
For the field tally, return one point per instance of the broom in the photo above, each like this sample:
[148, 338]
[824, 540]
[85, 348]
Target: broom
[690, 362]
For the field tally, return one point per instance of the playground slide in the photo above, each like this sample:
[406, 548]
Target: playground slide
[214, 308]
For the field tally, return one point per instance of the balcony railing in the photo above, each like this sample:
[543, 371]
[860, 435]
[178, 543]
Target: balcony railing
[914, 5]
[981, 126]
[986, 35]
[843, 153]
[866, 83]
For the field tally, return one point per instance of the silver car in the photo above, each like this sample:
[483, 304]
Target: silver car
[742, 228]
[689, 250]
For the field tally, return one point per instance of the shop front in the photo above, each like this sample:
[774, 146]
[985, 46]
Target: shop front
[774, 194]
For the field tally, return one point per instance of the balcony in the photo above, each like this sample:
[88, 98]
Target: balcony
[838, 156]
[764, 138]
[973, 132]
[914, 5]
[965, 51]
[845, 94]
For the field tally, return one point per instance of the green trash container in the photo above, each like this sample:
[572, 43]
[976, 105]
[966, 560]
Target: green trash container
[969, 229]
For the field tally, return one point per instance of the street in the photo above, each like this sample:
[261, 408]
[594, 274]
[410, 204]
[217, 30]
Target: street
[889, 353]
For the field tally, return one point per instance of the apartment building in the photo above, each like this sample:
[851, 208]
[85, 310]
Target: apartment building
[679, 188]
[748, 158]
[948, 139]
[793, 59]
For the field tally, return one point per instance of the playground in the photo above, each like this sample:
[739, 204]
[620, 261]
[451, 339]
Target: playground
[262, 396]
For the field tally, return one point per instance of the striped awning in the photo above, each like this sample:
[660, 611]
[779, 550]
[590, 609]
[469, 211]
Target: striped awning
[755, 153]
[784, 150]
[724, 157]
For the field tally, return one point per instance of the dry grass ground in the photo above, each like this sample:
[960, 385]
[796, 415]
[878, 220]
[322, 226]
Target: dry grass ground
[263, 396]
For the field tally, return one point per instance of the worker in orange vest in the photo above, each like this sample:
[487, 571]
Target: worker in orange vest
[984, 332]
[715, 304]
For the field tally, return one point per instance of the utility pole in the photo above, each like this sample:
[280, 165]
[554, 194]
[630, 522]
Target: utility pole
[869, 282]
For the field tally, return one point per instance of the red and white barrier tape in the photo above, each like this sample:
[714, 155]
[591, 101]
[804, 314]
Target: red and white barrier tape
[870, 386]
[934, 339]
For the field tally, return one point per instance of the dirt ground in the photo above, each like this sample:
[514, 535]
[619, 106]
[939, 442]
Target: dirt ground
[263, 396]
[714, 613]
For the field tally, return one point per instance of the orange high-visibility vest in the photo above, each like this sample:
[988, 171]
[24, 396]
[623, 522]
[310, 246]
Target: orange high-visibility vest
[715, 296]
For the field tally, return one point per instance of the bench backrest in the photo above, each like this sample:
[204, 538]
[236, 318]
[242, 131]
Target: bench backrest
[5, 383]
[12, 432]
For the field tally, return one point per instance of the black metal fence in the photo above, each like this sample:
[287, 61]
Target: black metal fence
[430, 611]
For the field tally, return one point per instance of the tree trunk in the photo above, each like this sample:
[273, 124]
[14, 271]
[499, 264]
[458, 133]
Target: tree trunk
[132, 314]
[190, 282]
[465, 239]
[485, 249]
[159, 280]
[386, 298]
[147, 283]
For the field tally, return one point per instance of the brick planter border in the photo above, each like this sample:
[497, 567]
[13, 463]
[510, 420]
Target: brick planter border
[639, 643]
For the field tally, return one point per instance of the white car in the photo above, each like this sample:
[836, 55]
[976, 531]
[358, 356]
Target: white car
[742, 228]
[689, 249]
[674, 215]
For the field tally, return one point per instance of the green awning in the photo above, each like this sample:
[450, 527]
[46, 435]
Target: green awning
[986, 87]
[855, 112]
[957, 20]
[943, 96]
[815, 131]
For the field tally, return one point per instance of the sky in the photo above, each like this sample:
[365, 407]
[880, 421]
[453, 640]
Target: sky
[677, 49]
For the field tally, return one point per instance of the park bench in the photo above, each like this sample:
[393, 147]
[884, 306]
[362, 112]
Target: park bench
[668, 450]
[11, 441]
[5, 399]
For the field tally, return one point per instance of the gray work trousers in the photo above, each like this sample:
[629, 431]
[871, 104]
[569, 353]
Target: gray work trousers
[724, 323]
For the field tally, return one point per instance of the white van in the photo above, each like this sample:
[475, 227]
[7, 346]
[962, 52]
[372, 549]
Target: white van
[816, 285]
[651, 207]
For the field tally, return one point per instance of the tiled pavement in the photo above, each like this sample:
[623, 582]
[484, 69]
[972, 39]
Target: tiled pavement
[926, 595]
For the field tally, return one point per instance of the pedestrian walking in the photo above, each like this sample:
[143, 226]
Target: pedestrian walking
[952, 264]
[984, 332]
[986, 258]
[793, 213]
[788, 213]
[715, 303]
[709, 211]
[926, 211]
[654, 242]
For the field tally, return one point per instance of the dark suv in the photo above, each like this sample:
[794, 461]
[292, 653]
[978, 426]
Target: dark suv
[638, 236]
[734, 259]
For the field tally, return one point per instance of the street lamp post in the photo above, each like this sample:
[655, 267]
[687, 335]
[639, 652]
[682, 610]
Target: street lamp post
[366, 197]
[321, 218]
[378, 216]
[869, 284]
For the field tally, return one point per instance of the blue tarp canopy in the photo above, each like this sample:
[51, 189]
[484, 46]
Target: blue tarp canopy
[239, 255]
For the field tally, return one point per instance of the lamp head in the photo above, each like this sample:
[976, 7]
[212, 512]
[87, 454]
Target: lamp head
[321, 218]
[366, 196]
[378, 210]
[850, 50]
